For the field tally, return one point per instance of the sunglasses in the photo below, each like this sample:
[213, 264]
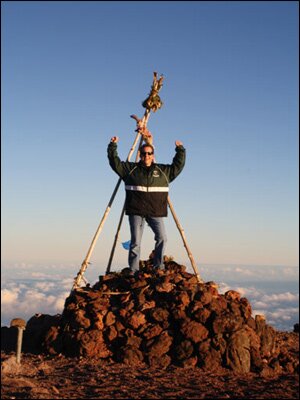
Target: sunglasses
[147, 152]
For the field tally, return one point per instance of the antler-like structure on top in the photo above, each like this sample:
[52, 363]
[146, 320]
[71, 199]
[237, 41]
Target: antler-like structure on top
[153, 101]
[141, 127]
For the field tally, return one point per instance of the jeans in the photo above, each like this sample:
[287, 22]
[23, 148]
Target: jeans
[136, 224]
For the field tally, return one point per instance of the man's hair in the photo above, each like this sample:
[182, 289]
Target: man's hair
[146, 145]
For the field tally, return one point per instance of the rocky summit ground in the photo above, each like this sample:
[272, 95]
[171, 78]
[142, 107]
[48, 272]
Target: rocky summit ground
[58, 377]
[154, 335]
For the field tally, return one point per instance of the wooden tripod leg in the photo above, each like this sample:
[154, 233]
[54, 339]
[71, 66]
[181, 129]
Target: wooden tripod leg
[91, 248]
[85, 262]
[189, 253]
[115, 241]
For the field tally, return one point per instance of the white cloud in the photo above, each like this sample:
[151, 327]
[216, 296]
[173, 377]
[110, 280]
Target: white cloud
[286, 297]
[244, 291]
[25, 300]
[67, 283]
[254, 273]
[60, 302]
[9, 296]
[244, 271]
[260, 304]
[45, 286]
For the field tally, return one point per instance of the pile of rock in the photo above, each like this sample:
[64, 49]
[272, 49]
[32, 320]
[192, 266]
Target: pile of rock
[162, 318]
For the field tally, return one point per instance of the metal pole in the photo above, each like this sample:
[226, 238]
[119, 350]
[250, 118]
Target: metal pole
[19, 344]
[20, 324]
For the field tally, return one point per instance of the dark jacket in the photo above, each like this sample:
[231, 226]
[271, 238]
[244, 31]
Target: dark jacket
[146, 187]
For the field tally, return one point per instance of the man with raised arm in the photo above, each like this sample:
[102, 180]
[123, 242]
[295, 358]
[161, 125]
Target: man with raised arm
[147, 187]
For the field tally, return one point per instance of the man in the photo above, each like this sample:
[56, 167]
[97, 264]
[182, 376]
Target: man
[147, 187]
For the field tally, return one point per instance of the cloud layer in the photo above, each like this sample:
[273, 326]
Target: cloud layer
[273, 291]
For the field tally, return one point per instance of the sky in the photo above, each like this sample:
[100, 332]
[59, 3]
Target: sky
[74, 72]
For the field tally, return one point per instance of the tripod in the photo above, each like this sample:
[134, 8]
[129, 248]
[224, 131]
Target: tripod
[153, 103]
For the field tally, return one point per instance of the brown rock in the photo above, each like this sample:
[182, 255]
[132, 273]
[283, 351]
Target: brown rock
[132, 355]
[152, 330]
[147, 305]
[238, 352]
[53, 342]
[110, 318]
[134, 341]
[136, 319]
[226, 323]
[42, 322]
[194, 330]
[139, 284]
[119, 326]
[159, 345]
[174, 267]
[232, 295]
[99, 304]
[219, 343]
[201, 315]
[159, 314]
[210, 360]
[251, 323]
[80, 320]
[246, 309]
[182, 299]
[204, 296]
[267, 336]
[111, 333]
[189, 362]
[92, 295]
[92, 345]
[165, 286]
[218, 304]
[184, 350]
[98, 324]
[203, 347]
[178, 313]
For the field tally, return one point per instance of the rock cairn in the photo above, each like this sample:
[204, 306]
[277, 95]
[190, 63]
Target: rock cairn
[162, 318]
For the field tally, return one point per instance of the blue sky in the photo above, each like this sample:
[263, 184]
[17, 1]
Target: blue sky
[73, 73]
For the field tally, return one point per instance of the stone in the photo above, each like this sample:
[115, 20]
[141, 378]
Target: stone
[238, 352]
[194, 330]
[159, 345]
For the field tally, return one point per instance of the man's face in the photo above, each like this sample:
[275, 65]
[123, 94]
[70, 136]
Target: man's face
[147, 156]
